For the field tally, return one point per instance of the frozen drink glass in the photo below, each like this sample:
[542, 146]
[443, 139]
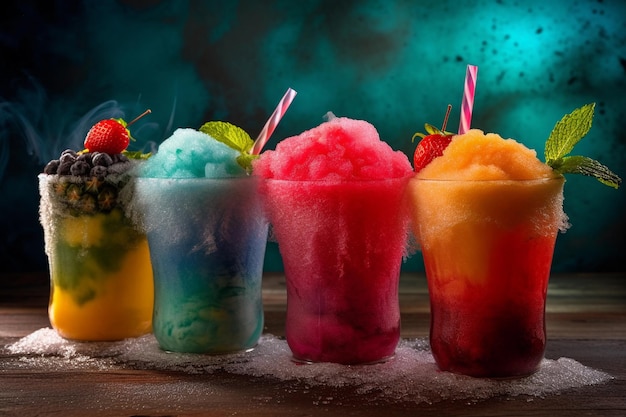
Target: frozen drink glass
[100, 272]
[487, 248]
[207, 240]
[342, 244]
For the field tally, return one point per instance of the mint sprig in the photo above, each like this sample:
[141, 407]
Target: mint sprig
[233, 137]
[564, 136]
[587, 166]
[137, 155]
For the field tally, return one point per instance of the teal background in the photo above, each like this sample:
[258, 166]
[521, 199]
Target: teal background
[396, 64]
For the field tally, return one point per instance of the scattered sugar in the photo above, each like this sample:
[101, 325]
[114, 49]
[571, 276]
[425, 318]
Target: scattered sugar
[411, 376]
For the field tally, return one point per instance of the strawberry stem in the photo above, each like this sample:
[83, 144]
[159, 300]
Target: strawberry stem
[139, 117]
[445, 119]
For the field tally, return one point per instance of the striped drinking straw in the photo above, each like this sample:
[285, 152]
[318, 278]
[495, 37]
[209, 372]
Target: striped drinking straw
[273, 121]
[468, 98]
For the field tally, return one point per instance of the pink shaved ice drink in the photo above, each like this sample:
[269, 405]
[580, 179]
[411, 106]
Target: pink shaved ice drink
[334, 196]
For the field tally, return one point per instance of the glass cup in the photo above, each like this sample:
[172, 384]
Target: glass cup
[100, 272]
[342, 244]
[487, 248]
[207, 242]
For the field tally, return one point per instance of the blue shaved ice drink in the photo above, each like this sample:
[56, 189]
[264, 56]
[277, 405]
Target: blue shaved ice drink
[207, 238]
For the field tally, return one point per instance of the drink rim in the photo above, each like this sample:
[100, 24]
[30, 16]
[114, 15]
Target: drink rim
[493, 181]
[334, 181]
[196, 179]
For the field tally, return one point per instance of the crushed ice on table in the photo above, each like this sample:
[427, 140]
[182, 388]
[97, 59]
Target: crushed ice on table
[410, 376]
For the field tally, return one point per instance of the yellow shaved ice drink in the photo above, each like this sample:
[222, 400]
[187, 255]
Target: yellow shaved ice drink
[101, 285]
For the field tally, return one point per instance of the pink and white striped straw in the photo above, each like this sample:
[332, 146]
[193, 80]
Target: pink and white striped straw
[273, 121]
[468, 98]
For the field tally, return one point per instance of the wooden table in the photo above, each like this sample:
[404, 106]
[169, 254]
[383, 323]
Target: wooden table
[586, 321]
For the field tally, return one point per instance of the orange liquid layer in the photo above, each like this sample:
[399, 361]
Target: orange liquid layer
[103, 302]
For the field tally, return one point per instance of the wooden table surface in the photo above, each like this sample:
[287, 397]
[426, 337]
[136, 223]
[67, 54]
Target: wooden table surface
[586, 321]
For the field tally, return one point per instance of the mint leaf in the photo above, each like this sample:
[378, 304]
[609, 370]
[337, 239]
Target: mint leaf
[233, 137]
[587, 166]
[565, 135]
[137, 154]
[568, 132]
[229, 134]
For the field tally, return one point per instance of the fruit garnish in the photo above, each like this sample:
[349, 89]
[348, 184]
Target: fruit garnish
[110, 136]
[92, 184]
[233, 137]
[432, 145]
[87, 203]
[73, 193]
[107, 198]
[137, 154]
[564, 136]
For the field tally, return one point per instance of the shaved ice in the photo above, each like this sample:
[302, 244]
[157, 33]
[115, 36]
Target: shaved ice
[479, 156]
[486, 214]
[189, 153]
[335, 198]
[341, 148]
[207, 237]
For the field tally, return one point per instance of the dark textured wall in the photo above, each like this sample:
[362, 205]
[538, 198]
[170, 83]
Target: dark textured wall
[397, 64]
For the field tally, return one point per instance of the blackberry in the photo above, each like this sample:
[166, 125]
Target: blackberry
[65, 167]
[99, 172]
[101, 159]
[70, 152]
[87, 156]
[80, 168]
[51, 167]
[67, 157]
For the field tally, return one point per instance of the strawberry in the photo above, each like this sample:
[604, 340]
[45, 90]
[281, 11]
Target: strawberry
[110, 136]
[430, 147]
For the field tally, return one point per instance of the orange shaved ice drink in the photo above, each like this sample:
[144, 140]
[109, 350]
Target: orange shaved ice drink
[486, 215]
[335, 197]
